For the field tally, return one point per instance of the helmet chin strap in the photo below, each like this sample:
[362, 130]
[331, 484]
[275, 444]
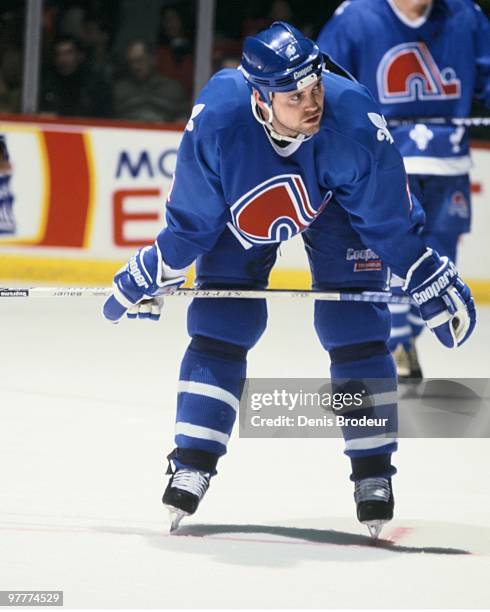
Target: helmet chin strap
[268, 124]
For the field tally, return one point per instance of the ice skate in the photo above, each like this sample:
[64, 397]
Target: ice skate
[415, 369]
[183, 494]
[407, 364]
[374, 500]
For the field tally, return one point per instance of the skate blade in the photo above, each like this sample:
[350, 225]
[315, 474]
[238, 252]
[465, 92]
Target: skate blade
[375, 527]
[175, 516]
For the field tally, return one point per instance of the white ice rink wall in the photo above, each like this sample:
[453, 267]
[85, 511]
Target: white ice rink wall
[88, 194]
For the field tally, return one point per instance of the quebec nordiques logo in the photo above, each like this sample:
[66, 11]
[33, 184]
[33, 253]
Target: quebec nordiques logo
[459, 206]
[408, 72]
[275, 210]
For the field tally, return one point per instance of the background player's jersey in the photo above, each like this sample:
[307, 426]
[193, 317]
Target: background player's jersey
[230, 174]
[429, 68]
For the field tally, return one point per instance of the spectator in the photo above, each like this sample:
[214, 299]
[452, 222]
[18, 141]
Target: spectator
[96, 39]
[10, 81]
[145, 95]
[72, 88]
[174, 55]
[230, 61]
[71, 22]
[138, 20]
[11, 25]
[281, 11]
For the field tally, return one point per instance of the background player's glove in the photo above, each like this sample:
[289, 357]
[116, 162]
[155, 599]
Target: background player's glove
[444, 300]
[138, 286]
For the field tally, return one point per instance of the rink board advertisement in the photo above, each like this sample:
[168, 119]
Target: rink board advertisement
[86, 195]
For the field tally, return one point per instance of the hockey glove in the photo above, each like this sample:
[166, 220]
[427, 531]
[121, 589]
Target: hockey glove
[444, 300]
[138, 286]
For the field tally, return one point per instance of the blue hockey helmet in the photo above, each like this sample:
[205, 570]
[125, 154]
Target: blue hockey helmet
[280, 58]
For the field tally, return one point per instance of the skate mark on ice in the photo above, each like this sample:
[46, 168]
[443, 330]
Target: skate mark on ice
[296, 535]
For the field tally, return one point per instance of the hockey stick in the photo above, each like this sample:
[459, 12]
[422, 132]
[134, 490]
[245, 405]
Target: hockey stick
[377, 297]
[456, 121]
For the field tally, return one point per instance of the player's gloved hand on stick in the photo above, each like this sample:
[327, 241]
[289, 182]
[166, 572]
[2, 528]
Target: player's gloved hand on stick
[445, 301]
[146, 309]
[138, 286]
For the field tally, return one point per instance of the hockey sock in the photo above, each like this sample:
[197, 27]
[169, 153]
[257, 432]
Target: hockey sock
[401, 329]
[417, 324]
[209, 390]
[369, 429]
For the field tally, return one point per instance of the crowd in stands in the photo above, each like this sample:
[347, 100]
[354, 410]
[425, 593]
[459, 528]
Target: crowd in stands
[132, 59]
[11, 28]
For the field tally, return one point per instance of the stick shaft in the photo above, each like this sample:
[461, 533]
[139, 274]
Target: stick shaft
[456, 121]
[338, 296]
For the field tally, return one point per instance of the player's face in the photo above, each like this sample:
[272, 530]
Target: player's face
[298, 112]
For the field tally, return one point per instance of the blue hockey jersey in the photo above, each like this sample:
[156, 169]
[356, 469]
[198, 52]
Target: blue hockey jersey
[431, 67]
[231, 174]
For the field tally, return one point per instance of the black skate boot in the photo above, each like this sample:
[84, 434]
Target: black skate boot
[183, 493]
[374, 499]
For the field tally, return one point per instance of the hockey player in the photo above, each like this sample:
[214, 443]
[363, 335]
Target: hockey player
[278, 147]
[7, 220]
[420, 58]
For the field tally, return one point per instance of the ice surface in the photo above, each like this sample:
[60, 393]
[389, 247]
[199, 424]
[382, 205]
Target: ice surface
[87, 419]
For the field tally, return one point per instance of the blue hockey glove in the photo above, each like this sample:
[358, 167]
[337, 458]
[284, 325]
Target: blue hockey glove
[138, 286]
[444, 300]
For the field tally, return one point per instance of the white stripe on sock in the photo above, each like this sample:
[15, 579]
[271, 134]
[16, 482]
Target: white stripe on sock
[399, 308]
[415, 320]
[189, 386]
[396, 332]
[369, 442]
[382, 399]
[203, 433]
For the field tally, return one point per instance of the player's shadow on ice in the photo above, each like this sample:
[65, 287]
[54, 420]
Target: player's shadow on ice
[273, 546]
[296, 535]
